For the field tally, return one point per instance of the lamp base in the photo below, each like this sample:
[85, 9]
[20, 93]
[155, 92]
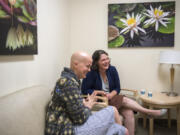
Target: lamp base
[172, 94]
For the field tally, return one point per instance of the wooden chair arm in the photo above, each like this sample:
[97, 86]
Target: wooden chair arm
[132, 93]
[99, 105]
[133, 90]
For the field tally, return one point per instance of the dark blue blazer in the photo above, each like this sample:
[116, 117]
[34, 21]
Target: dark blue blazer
[93, 81]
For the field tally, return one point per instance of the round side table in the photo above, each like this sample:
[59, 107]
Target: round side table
[161, 100]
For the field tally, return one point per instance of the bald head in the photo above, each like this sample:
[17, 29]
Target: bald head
[80, 63]
[80, 57]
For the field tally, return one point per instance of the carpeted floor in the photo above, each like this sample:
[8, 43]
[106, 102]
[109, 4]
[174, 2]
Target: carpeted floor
[160, 128]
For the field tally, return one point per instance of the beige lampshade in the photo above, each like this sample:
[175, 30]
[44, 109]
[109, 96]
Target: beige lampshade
[170, 57]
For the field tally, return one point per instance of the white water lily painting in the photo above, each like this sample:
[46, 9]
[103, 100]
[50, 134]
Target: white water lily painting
[149, 24]
[18, 27]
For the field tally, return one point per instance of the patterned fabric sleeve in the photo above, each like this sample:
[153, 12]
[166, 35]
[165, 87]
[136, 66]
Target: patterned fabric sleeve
[69, 93]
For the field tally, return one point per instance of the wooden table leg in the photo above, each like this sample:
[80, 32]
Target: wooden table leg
[144, 116]
[178, 120]
[151, 124]
[169, 118]
[144, 121]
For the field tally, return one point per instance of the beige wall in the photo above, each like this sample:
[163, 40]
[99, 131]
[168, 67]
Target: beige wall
[17, 72]
[65, 26]
[138, 67]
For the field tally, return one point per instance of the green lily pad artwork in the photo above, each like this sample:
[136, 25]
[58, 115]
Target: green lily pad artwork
[149, 24]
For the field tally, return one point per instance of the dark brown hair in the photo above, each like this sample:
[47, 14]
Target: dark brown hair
[96, 56]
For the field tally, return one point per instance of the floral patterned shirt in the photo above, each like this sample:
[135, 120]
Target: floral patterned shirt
[66, 108]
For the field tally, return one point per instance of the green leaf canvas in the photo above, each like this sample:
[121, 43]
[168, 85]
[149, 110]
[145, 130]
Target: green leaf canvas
[149, 24]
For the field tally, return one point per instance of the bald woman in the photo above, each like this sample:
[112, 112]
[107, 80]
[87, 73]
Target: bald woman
[69, 114]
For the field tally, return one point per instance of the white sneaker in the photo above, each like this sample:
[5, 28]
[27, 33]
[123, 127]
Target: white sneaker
[163, 112]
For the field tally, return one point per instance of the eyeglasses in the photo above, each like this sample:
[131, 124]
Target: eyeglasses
[106, 59]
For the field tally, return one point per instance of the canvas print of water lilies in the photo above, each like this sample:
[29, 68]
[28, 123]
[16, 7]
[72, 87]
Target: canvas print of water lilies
[141, 24]
[18, 27]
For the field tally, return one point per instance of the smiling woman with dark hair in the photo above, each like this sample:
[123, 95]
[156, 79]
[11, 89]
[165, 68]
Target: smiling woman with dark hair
[104, 79]
[96, 56]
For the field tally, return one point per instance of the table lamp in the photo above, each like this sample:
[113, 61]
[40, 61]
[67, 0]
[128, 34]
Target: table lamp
[170, 57]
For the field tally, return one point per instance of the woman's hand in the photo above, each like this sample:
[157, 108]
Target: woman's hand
[90, 101]
[111, 95]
